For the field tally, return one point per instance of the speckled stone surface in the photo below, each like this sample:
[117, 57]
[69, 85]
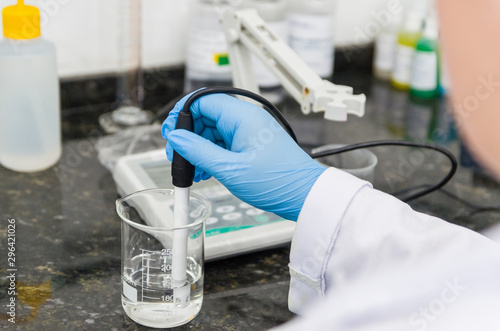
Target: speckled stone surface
[68, 235]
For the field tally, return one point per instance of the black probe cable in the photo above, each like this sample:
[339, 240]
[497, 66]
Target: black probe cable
[183, 171]
[429, 189]
[269, 106]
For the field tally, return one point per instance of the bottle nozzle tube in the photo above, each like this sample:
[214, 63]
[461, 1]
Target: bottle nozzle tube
[182, 170]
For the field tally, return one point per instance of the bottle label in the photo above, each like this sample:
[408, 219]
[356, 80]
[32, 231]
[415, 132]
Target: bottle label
[385, 51]
[207, 54]
[311, 37]
[424, 71]
[264, 76]
[402, 67]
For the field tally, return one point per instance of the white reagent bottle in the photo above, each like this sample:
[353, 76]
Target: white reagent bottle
[385, 47]
[30, 120]
[310, 30]
[207, 61]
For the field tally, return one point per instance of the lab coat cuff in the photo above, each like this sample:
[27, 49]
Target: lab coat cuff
[317, 229]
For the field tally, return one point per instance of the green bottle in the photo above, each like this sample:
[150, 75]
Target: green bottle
[424, 82]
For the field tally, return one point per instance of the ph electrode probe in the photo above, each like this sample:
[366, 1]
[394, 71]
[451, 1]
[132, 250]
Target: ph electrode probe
[247, 33]
[182, 179]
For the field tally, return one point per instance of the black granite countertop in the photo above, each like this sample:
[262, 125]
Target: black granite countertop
[68, 234]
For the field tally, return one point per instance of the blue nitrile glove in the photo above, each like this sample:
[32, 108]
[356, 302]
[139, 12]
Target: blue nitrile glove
[244, 148]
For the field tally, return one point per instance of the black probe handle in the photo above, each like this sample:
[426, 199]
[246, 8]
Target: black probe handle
[182, 170]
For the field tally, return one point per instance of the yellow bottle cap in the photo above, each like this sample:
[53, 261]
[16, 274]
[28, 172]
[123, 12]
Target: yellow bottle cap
[21, 21]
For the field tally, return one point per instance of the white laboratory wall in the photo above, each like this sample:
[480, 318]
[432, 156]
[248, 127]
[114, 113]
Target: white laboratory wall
[359, 21]
[85, 31]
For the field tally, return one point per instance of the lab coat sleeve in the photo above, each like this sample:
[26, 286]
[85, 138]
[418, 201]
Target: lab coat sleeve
[359, 252]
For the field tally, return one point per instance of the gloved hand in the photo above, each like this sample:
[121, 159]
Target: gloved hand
[245, 149]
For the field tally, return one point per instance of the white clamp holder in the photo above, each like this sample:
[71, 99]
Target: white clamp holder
[246, 33]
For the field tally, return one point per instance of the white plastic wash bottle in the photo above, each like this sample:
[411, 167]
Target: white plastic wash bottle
[30, 123]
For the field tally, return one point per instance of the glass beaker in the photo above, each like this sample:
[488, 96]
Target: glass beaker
[153, 253]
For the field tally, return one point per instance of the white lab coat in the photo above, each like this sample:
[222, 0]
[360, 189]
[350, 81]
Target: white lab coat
[363, 260]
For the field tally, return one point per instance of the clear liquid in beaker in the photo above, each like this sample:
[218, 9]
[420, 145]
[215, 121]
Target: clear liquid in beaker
[148, 294]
